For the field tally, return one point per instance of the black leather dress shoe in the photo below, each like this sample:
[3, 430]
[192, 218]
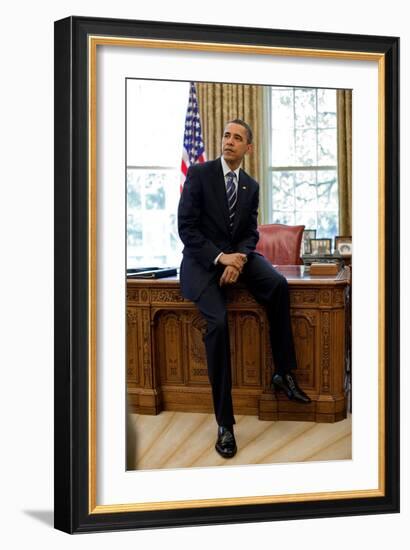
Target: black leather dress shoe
[287, 383]
[226, 444]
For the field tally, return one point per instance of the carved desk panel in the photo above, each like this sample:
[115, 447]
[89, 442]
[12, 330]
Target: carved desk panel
[166, 363]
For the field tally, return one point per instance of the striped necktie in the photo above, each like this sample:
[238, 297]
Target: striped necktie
[232, 196]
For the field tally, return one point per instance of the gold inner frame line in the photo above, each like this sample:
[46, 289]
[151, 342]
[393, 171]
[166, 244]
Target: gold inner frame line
[93, 42]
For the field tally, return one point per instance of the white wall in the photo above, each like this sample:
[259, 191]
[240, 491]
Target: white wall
[26, 251]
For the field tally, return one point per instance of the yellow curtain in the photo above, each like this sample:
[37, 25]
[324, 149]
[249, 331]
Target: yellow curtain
[219, 103]
[344, 160]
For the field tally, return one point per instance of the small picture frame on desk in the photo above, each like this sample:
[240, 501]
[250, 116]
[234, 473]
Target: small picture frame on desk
[320, 246]
[341, 240]
[308, 234]
[344, 248]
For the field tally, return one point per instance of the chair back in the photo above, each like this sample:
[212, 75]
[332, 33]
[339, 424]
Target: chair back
[280, 244]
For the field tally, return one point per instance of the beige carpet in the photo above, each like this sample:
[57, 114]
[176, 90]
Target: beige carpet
[187, 440]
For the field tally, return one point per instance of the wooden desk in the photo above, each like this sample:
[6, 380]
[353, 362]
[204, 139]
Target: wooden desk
[166, 363]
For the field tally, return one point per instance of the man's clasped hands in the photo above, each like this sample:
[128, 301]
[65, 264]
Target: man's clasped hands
[233, 267]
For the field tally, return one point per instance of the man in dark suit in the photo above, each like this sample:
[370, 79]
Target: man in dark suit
[217, 222]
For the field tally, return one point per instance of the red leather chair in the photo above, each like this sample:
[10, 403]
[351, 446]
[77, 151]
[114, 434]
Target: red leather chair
[280, 244]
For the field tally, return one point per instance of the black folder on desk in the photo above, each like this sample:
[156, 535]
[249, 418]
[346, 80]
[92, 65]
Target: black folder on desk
[151, 272]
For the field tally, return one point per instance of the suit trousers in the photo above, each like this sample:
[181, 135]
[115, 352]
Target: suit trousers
[270, 289]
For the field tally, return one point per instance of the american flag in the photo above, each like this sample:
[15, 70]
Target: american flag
[193, 151]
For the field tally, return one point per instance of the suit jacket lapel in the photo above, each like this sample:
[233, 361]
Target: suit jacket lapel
[220, 192]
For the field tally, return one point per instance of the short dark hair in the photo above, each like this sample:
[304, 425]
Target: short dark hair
[248, 129]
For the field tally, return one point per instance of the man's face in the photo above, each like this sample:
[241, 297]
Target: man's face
[235, 144]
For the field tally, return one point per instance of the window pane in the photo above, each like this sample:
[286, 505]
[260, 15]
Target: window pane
[134, 190]
[308, 219]
[283, 184]
[327, 197]
[327, 145]
[154, 191]
[305, 147]
[326, 107]
[305, 108]
[327, 223]
[283, 148]
[282, 109]
[305, 190]
[134, 230]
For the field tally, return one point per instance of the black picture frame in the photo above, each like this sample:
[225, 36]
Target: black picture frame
[341, 239]
[75, 509]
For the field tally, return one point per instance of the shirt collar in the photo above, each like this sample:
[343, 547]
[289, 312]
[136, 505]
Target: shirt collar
[226, 169]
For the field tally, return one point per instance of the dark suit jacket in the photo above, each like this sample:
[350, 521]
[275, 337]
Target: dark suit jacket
[203, 224]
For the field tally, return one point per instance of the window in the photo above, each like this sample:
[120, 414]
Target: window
[303, 159]
[155, 126]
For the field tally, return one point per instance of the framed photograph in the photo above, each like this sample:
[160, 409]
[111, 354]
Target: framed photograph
[320, 246]
[343, 245]
[341, 238]
[344, 248]
[95, 489]
[308, 234]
